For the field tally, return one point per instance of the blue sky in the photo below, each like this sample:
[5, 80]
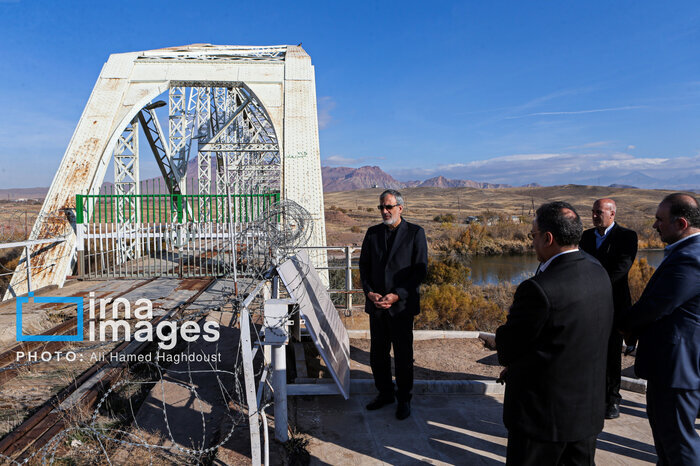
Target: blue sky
[510, 92]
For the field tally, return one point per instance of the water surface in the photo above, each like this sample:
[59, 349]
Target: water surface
[514, 269]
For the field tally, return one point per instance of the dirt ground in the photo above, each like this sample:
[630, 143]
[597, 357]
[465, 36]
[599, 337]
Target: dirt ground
[444, 359]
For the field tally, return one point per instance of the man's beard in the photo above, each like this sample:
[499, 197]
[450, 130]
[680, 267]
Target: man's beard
[389, 221]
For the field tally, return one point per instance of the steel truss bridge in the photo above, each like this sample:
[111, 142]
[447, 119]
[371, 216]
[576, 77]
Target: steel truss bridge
[239, 164]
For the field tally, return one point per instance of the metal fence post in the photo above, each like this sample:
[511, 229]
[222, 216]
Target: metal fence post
[29, 268]
[249, 379]
[279, 383]
[348, 277]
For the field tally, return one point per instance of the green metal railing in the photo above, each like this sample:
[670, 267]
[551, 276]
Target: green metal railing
[171, 208]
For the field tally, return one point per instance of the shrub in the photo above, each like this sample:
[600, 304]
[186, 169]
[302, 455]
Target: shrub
[639, 276]
[451, 307]
[447, 271]
[648, 238]
[479, 239]
[356, 229]
[444, 218]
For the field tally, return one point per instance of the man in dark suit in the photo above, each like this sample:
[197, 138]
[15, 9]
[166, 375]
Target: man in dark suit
[667, 321]
[554, 348]
[393, 263]
[615, 247]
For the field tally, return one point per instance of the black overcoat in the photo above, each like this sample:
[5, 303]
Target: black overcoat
[400, 270]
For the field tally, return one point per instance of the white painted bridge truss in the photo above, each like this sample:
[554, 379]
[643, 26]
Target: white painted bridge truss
[247, 115]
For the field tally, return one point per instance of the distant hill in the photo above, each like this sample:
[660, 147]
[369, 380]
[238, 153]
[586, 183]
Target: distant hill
[639, 180]
[347, 179]
[23, 193]
[442, 182]
[336, 179]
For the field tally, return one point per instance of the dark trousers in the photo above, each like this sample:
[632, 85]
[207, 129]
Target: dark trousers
[387, 331]
[523, 450]
[672, 413]
[613, 374]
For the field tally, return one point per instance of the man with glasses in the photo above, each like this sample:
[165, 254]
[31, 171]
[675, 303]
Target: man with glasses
[615, 247]
[393, 263]
[554, 347]
[667, 321]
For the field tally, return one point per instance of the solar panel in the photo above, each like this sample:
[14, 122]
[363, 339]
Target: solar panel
[322, 320]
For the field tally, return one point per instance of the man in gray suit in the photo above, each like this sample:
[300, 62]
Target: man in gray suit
[667, 321]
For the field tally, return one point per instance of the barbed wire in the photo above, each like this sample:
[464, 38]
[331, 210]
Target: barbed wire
[283, 228]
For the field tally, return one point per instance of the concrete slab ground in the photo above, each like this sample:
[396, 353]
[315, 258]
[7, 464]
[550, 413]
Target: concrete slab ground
[445, 429]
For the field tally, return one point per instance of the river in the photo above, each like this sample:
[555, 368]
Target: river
[495, 269]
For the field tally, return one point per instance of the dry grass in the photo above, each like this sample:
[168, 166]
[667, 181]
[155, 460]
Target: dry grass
[635, 208]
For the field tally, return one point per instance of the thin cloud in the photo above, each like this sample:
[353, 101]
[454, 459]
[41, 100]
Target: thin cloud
[546, 98]
[591, 145]
[339, 160]
[579, 112]
[560, 168]
[325, 105]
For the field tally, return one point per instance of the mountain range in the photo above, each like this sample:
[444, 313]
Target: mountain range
[347, 179]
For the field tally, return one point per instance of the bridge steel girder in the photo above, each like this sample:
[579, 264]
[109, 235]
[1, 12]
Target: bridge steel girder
[282, 79]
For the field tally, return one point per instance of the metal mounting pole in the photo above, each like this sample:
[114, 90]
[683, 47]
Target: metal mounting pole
[348, 278]
[279, 362]
[250, 386]
[279, 385]
[29, 268]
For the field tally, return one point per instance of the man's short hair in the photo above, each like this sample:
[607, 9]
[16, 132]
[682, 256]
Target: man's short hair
[397, 195]
[561, 220]
[684, 205]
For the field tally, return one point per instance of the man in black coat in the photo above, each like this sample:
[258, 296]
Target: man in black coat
[393, 263]
[615, 247]
[554, 348]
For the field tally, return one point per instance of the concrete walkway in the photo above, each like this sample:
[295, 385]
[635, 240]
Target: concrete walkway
[445, 429]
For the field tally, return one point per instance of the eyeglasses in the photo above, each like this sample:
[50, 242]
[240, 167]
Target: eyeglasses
[386, 206]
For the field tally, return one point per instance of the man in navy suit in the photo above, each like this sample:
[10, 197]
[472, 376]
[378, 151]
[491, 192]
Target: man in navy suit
[554, 347]
[393, 263]
[666, 320]
[615, 247]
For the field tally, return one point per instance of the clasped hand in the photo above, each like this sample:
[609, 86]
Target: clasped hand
[383, 302]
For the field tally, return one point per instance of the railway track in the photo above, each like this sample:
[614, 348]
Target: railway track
[68, 327]
[84, 391]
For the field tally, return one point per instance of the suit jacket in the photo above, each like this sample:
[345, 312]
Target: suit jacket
[399, 270]
[616, 254]
[554, 345]
[667, 320]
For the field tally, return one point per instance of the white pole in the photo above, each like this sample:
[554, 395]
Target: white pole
[279, 385]
[250, 384]
[28, 263]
